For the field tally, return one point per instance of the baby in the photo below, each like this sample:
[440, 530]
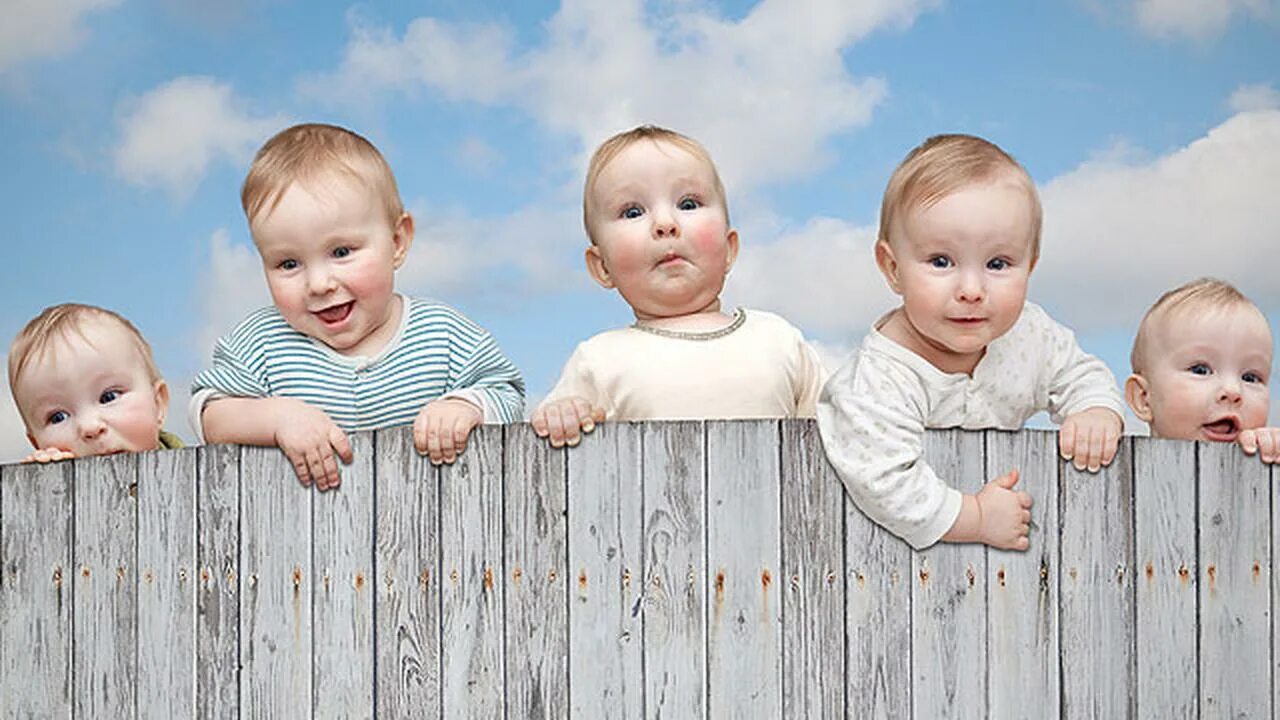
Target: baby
[959, 237]
[85, 384]
[655, 212]
[1201, 361]
[341, 351]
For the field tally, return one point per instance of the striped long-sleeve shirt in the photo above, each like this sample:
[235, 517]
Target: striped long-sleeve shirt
[436, 352]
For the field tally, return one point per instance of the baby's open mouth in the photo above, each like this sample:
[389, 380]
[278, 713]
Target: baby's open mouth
[1224, 430]
[335, 314]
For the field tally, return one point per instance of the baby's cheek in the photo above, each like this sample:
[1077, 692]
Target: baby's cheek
[709, 240]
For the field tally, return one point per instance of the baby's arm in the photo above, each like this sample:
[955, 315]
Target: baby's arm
[810, 376]
[305, 433]
[1084, 398]
[998, 516]
[1264, 442]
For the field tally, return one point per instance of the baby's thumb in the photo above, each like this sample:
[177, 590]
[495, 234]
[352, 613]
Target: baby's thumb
[1008, 480]
[338, 440]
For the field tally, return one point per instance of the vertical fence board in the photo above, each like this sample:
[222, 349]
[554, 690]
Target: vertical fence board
[1164, 499]
[537, 628]
[1235, 587]
[218, 582]
[471, 558]
[605, 546]
[1023, 587]
[744, 627]
[813, 612]
[275, 607]
[675, 570]
[342, 590]
[166, 584]
[106, 529]
[36, 592]
[1098, 589]
[949, 598]
[407, 637]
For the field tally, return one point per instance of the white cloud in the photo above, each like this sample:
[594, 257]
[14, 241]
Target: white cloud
[232, 287]
[764, 93]
[1248, 98]
[476, 156]
[1198, 19]
[172, 134]
[43, 28]
[13, 433]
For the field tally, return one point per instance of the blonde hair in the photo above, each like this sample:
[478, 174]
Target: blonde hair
[1199, 294]
[304, 153]
[942, 165]
[610, 148]
[59, 322]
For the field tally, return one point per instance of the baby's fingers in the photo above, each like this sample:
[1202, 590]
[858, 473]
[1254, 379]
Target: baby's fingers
[558, 425]
[300, 468]
[1092, 460]
[539, 422]
[329, 472]
[1269, 444]
[585, 417]
[1110, 443]
[339, 442]
[1067, 439]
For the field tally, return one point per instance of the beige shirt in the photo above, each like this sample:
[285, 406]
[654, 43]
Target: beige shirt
[874, 410]
[764, 368]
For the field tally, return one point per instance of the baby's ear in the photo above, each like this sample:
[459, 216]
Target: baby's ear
[1137, 394]
[162, 401]
[402, 239]
[888, 265]
[731, 242]
[596, 266]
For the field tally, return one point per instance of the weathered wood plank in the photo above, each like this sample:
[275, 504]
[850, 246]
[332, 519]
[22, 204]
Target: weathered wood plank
[218, 582]
[1023, 587]
[471, 558]
[877, 619]
[813, 614]
[744, 556]
[36, 595]
[407, 529]
[1097, 588]
[167, 584]
[675, 571]
[275, 605]
[537, 557]
[1164, 499]
[949, 598]
[104, 653]
[606, 547]
[342, 590]
[1235, 587]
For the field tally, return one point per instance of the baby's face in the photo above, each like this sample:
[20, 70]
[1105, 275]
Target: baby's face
[961, 266]
[92, 395]
[330, 256]
[1208, 373]
[661, 231]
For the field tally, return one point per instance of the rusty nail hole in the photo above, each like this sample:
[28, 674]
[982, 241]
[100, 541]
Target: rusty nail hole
[626, 577]
[970, 575]
[1151, 570]
[551, 576]
[1072, 572]
[1183, 572]
[297, 576]
[84, 572]
[1213, 572]
[453, 576]
[120, 573]
[1257, 569]
[582, 579]
[657, 581]
[720, 582]
[133, 490]
[148, 576]
[862, 579]
[182, 575]
[766, 579]
[516, 575]
[488, 578]
[57, 576]
[924, 575]
[1000, 576]
[831, 577]
[359, 581]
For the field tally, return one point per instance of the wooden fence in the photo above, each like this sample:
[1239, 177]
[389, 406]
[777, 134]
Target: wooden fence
[679, 570]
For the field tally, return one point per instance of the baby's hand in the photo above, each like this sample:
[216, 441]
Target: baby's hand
[50, 454]
[560, 420]
[1089, 437]
[309, 438]
[442, 427]
[1265, 442]
[1005, 513]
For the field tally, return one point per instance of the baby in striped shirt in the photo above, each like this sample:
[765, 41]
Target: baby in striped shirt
[340, 351]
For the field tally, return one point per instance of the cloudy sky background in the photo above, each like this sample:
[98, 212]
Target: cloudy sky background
[1151, 126]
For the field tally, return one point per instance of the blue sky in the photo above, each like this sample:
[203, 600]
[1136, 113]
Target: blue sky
[1151, 126]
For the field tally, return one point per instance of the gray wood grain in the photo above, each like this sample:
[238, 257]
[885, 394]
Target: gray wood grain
[407, 637]
[471, 559]
[1235, 583]
[878, 619]
[949, 598]
[1097, 588]
[275, 603]
[1164, 499]
[675, 571]
[744, 557]
[104, 653]
[606, 560]
[537, 557]
[166, 579]
[813, 578]
[342, 590]
[1023, 587]
[218, 582]
[37, 589]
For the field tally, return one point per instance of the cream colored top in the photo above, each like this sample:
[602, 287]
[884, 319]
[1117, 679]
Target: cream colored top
[764, 368]
[874, 410]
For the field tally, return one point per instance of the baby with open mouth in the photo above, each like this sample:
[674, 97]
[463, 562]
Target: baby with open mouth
[1201, 362]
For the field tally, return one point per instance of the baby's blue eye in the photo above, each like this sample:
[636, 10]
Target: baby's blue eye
[997, 264]
[940, 261]
[341, 252]
[1199, 369]
[57, 416]
[632, 212]
[108, 396]
[288, 264]
[1251, 377]
[689, 204]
